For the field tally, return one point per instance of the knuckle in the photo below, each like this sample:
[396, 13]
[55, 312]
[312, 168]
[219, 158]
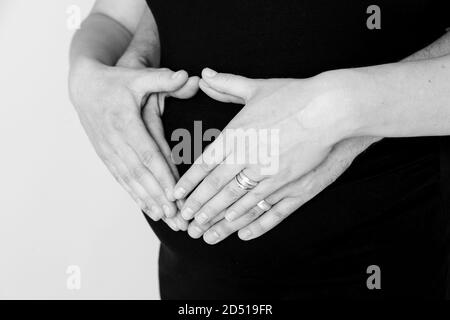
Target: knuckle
[253, 213]
[279, 215]
[274, 198]
[254, 173]
[234, 191]
[256, 194]
[138, 172]
[147, 158]
[205, 165]
[213, 182]
[208, 210]
[120, 120]
[126, 178]
[226, 78]
[193, 203]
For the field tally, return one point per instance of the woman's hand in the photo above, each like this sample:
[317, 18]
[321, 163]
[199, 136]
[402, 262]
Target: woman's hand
[137, 56]
[256, 222]
[309, 116]
[110, 102]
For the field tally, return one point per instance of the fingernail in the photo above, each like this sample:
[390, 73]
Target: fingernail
[180, 203]
[181, 225]
[149, 213]
[169, 194]
[211, 236]
[202, 218]
[172, 225]
[209, 72]
[167, 210]
[179, 193]
[187, 213]
[230, 216]
[176, 74]
[245, 234]
[154, 216]
[195, 231]
[156, 212]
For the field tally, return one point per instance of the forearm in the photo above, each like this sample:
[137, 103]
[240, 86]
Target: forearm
[107, 31]
[100, 39]
[144, 49]
[409, 98]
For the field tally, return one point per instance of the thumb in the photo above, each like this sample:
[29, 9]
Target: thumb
[130, 60]
[157, 80]
[188, 90]
[230, 84]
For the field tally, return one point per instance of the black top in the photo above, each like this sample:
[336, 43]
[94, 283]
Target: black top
[386, 209]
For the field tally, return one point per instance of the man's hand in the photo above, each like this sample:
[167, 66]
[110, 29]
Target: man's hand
[255, 222]
[310, 160]
[137, 57]
[110, 101]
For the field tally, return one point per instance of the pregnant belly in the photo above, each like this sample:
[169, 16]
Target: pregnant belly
[381, 199]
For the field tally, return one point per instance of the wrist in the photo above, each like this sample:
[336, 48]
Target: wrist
[361, 101]
[336, 106]
[81, 73]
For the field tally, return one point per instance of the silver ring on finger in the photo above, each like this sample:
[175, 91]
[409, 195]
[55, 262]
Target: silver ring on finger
[244, 182]
[264, 205]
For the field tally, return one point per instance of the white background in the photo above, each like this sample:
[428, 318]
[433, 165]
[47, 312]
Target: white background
[59, 206]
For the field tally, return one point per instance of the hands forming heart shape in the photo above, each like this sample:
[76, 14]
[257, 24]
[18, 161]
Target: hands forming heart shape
[121, 113]
[313, 150]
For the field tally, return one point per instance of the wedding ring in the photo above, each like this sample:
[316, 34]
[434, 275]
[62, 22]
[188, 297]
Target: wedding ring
[264, 205]
[244, 182]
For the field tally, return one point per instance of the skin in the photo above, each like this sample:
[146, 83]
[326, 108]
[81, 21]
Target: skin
[143, 52]
[119, 100]
[250, 220]
[106, 41]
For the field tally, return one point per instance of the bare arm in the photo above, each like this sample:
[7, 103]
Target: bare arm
[110, 98]
[310, 185]
[107, 31]
[406, 99]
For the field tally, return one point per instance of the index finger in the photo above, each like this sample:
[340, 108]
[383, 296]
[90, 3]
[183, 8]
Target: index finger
[215, 153]
[140, 140]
